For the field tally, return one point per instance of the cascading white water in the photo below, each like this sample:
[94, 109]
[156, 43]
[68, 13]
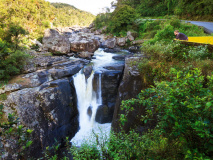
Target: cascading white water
[88, 98]
[99, 99]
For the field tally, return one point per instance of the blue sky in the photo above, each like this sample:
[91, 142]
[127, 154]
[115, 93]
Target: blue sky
[93, 6]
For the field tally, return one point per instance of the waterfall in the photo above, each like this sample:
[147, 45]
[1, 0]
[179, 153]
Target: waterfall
[85, 98]
[88, 100]
[99, 99]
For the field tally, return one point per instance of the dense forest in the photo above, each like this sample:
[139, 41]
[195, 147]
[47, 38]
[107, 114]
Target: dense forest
[183, 8]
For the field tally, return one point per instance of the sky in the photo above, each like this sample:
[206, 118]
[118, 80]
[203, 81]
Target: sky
[92, 6]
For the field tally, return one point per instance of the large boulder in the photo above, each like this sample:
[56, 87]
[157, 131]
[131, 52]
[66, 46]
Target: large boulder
[109, 43]
[49, 110]
[131, 35]
[121, 41]
[90, 45]
[104, 114]
[54, 42]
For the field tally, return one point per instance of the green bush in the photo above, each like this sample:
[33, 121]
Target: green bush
[123, 17]
[11, 63]
[184, 109]
[14, 134]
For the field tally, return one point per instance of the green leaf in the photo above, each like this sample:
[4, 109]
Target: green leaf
[208, 104]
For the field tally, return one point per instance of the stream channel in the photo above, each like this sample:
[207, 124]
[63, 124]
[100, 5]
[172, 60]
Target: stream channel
[89, 98]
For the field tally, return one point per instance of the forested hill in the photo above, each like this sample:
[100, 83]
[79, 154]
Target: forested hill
[190, 9]
[68, 15]
[36, 15]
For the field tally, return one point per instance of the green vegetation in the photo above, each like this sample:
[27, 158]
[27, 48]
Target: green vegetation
[14, 134]
[122, 19]
[12, 56]
[185, 9]
[67, 15]
[178, 99]
[22, 20]
[128, 14]
[36, 15]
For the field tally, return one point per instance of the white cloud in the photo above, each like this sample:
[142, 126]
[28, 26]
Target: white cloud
[93, 6]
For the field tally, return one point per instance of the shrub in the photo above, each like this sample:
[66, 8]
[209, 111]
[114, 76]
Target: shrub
[121, 18]
[11, 63]
[184, 109]
[14, 135]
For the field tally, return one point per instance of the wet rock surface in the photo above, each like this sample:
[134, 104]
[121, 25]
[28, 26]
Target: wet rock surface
[111, 78]
[104, 114]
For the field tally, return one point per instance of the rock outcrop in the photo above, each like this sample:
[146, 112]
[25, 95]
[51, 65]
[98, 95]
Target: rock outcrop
[49, 110]
[111, 78]
[45, 101]
[109, 43]
[130, 86]
[90, 45]
[104, 114]
[66, 40]
[131, 35]
[54, 42]
[121, 41]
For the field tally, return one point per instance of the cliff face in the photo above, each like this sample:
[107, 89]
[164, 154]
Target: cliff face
[45, 101]
[49, 109]
[131, 85]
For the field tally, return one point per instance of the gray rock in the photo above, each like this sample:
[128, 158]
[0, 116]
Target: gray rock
[89, 111]
[97, 32]
[58, 71]
[54, 42]
[48, 110]
[109, 43]
[131, 35]
[103, 114]
[119, 57]
[121, 41]
[83, 45]
[10, 88]
[85, 54]
[119, 67]
[87, 71]
[131, 85]
[86, 30]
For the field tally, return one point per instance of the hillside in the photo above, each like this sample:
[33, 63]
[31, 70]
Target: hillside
[22, 20]
[36, 15]
[68, 15]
